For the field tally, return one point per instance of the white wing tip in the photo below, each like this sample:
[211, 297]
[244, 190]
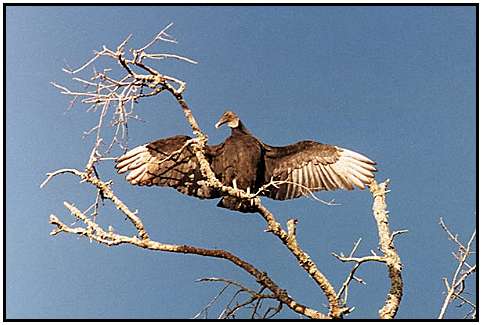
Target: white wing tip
[356, 156]
[358, 168]
[123, 162]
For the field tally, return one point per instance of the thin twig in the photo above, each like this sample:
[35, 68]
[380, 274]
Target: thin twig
[308, 191]
[457, 284]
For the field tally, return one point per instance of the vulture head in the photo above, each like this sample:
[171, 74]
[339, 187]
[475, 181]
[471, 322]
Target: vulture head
[228, 117]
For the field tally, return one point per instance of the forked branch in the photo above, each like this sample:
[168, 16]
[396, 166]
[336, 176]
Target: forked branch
[244, 298]
[456, 287]
[390, 256]
[95, 232]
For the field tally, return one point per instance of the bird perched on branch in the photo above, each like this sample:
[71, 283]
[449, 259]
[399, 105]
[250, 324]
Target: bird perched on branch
[244, 162]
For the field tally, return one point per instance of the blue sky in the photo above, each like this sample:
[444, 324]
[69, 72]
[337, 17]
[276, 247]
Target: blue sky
[395, 83]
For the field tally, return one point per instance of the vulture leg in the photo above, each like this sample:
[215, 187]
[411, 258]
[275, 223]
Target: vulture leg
[251, 201]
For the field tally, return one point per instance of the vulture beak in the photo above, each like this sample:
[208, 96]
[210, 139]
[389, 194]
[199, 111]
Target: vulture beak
[223, 119]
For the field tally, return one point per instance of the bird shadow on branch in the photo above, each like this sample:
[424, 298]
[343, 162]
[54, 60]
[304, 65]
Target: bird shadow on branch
[114, 99]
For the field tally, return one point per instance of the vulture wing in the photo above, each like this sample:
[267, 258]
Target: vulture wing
[166, 162]
[311, 166]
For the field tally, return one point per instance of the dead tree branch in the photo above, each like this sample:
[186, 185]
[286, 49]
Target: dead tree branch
[456, 287]
[289, 240]
[351, 275]
[253, 301]
[95, 232]
[390, 255]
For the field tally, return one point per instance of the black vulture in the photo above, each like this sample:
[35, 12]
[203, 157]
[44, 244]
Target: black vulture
[244, 162]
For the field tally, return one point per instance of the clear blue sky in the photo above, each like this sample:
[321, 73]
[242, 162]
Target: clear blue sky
[395, 83]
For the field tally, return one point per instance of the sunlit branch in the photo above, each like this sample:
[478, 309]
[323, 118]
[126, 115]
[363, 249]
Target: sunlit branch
[390, 254]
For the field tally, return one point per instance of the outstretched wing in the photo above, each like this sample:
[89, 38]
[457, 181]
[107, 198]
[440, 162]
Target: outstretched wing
[165, 162]
[311, 166]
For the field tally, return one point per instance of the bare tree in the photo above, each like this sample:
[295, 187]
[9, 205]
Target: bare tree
[456, 286]
[114, 99]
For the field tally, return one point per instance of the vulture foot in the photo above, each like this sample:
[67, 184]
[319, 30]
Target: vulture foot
[235, 204]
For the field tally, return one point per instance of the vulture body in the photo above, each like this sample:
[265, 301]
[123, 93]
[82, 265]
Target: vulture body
[245, 162]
